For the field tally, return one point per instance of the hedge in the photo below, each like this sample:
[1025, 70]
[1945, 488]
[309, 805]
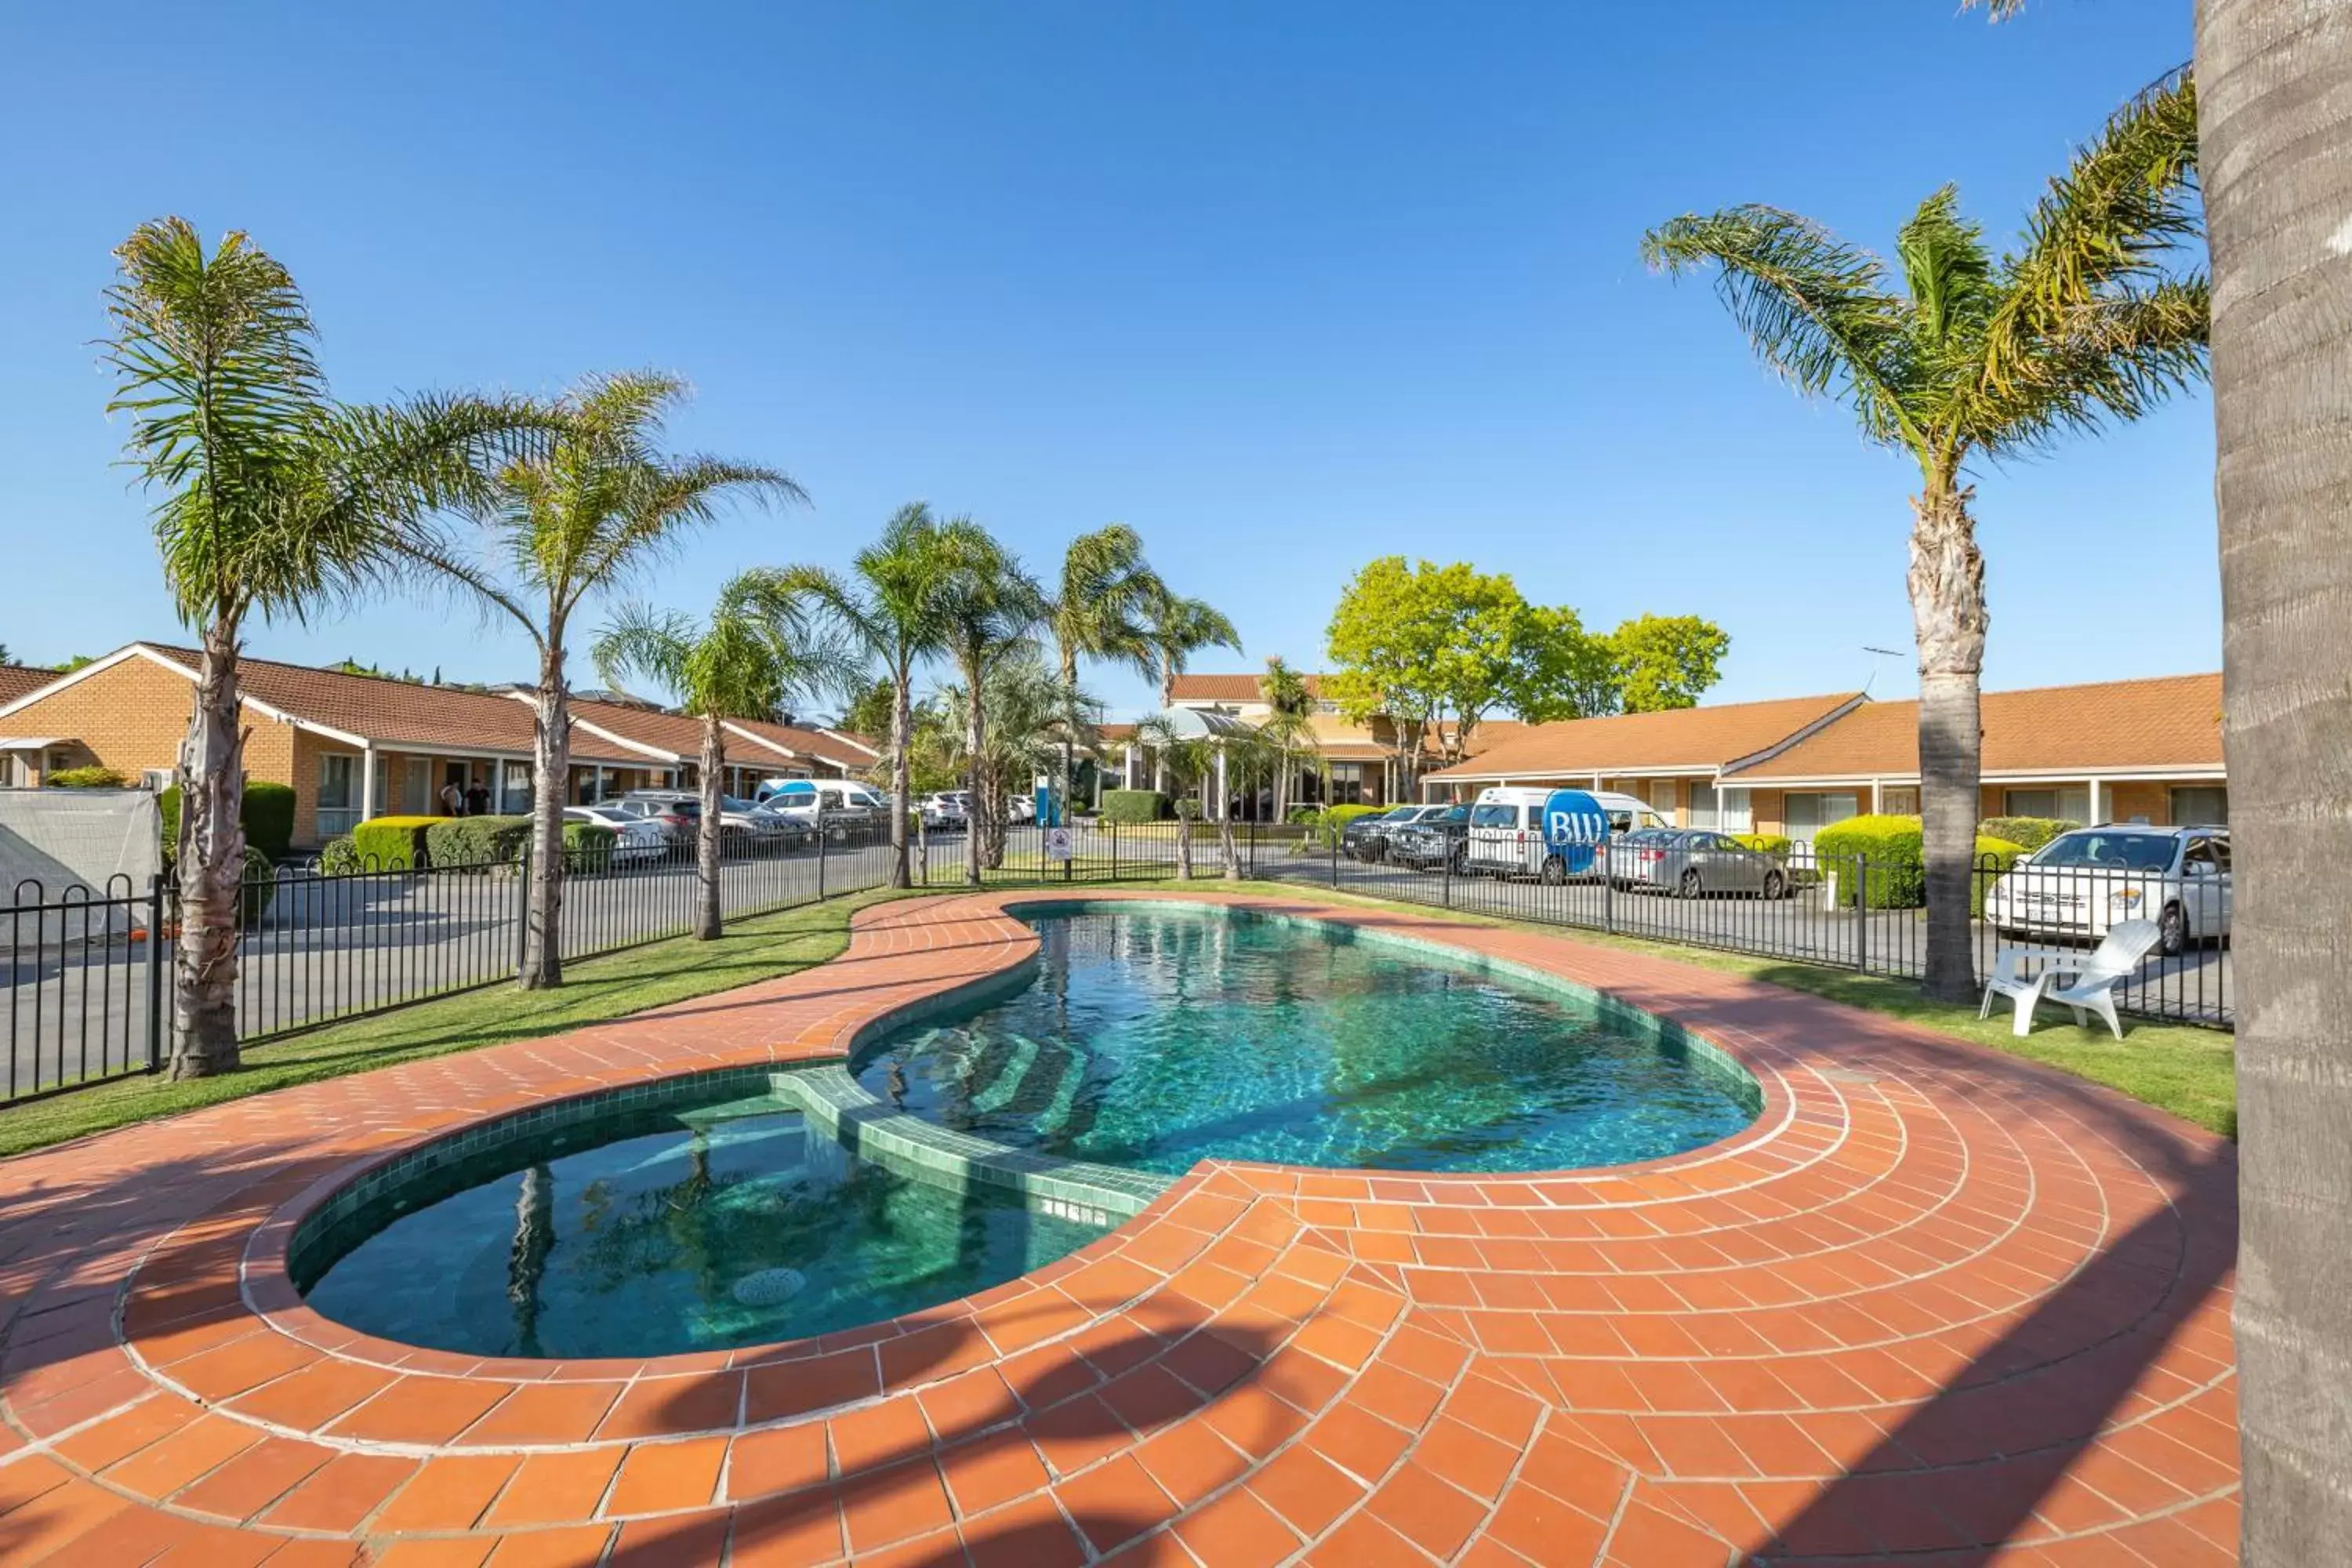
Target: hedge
[1334, 819]
[268, 816]
[588, 846]
[457, 841]
[1763, 843]
[338, 858]
[1133, 805]
[260, 887]
[393, 842]
[1308, 814]
[2025, 832]
[1893, 849]
[85, 778]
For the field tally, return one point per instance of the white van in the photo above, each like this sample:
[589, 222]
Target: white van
[1507, 831]
[844, 808]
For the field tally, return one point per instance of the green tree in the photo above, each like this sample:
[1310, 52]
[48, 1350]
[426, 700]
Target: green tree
[76, 662]
[577, 521]
[1665, 661]
[759, 648]
[1181, 628]
[988, 603]
[894, 603]
[1101, 608]
[1288, 729]
[276, 500]
[870, 708]
[1971, 357]
[1562, 671]
[1021, 735]
[1186, 762]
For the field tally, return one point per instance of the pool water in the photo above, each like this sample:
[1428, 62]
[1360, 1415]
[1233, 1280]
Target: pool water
[687, 1228]
[1154, 1038]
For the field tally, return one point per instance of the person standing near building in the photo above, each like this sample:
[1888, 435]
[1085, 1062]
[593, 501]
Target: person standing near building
[453, 799]
[477, 797]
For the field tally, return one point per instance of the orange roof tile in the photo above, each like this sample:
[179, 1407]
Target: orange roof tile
[1231, 688]
[23, 679]
[1694, 739]
[2171, 721]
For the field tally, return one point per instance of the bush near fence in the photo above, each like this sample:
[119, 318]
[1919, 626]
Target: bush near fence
[587, 846]
[1773, 843]
[394, 843]
[482, 841]
[1893, 847]
[1133, 805]
[266, 815]
[2028, 833]
[85, 778]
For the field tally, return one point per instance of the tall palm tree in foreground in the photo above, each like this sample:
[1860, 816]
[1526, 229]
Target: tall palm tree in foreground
[1180, 627]
[1020, 733]
[578, 521]
[1287, 733]
[1100, 609]
[893, 604]
[988, 604]
[277, 500]
[2278, 183]
[758, 650]
[2094, 316]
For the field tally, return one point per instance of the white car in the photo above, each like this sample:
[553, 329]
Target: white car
[946, 812]
[633, 838]
[843, 808]
[2083, 883]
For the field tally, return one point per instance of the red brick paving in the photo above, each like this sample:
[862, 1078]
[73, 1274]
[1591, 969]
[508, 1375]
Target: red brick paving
[1937, 1307]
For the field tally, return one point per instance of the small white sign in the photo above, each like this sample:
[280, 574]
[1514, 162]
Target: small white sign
[1060, 844]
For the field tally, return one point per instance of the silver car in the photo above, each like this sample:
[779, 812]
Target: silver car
[1691, 863]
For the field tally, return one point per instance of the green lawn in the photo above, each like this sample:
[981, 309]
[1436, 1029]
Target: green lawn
[2188, 1071]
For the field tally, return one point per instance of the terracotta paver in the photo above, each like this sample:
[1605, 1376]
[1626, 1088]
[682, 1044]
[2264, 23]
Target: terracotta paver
[1935, 1305]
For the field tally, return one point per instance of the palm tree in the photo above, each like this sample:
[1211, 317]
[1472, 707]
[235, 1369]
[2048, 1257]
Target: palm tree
[757, 651]
[1028, 708]
[577, 521]
[1189, 762]
[1286, 731]
[1975, 358]
[893, 604]
[988, 604]
[277, 500]
[1100, 609]
[1180, 627]
[2277, 189]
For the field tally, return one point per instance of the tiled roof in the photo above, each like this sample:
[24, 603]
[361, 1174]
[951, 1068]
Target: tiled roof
[680, 735]
[2169, 721]
[397, 713]
[1689, 738]
[809, 742]
[1230, 687]
[20, 679]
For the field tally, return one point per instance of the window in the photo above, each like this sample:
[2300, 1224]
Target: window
[338, 804]
[2203, 805]
[1808, 814]
[2063, 805]
[2127, 851]
[1705, 806]
[1900, 800]
[1347, 784]
[514, 782]
[1496, 814]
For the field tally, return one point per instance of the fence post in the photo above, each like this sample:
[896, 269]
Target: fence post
[1862, 913]
[1445, 860]
[156, 972]
[1114, 849]
[821, 836]
[1608, 891]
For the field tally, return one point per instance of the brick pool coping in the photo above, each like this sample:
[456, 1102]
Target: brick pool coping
[1936, 1300]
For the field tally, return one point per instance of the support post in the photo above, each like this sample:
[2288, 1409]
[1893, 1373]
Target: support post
[155, 972]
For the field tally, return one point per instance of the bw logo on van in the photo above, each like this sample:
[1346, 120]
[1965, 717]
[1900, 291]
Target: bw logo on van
[1573, 823]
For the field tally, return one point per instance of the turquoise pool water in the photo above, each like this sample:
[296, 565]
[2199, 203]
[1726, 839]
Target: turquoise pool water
[1152, 1037]
[653, 1232]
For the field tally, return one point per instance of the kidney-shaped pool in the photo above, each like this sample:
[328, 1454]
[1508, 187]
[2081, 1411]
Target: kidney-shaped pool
[1154, 1035]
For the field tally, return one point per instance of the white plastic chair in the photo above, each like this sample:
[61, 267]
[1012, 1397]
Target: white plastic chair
[2095, 979]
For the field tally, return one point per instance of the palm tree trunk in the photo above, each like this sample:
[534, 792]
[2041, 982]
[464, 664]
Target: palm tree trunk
[211, 867]
[543, 943]
[2270, 82]
[1947, 611]
[1183, 847]
[1225, 845]
[975, 738]
[902, 773]
[534, 1238]
[707, 839]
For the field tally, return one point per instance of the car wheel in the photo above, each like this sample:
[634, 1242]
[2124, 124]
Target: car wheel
[1555, 871]
[2172, 927]
[1689, 887]
[1776, 885]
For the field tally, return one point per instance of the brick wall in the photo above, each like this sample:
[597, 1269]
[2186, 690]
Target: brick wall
[132, 715]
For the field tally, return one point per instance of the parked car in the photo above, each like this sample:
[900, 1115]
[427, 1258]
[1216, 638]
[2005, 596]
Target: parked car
[844, 809]
[1436, 838]
[679, 813]
[635, 838]
[1691, 863]
[1507, 831]
[2083, 883]
[1366, 837]
[945, 812]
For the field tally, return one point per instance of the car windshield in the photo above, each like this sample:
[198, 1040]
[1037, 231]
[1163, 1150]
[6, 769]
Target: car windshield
[2124, 851]
[729, 803]
[1452, 814]
[1494, 816]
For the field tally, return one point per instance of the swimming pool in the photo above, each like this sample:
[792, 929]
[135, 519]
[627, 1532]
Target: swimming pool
[1155, 1035]
[687, 1216]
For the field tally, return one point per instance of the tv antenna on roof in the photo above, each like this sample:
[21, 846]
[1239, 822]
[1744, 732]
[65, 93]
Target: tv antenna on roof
[1877, 653]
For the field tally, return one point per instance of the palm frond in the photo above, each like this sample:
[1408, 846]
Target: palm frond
[1946, 271]
[1817, 310]
[1181, 628]
[643, 641]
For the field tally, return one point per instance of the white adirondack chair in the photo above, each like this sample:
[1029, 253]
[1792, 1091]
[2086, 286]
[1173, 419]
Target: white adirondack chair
[2094, 980]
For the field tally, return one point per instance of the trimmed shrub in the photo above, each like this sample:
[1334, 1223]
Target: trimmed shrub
[1306, 815]
[1892, 847]
[85, 778]
[1775, 844]
[393, 842]
[476, 841]
[337, 858]
[1188, 808]
[2029, 832]
[587, 847]
[1334, 819]
[1133, 805]
[260, 887]
[268, 816]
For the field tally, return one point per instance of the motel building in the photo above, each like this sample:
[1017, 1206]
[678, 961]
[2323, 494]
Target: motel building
[357, 746]
[2125, 751]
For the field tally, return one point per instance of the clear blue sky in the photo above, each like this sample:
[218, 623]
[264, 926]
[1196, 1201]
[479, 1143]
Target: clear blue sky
[1285, 286]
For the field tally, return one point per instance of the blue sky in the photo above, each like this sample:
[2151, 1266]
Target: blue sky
[1285, 287]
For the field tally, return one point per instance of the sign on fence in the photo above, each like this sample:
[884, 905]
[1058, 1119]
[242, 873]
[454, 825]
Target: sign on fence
[1061, 844]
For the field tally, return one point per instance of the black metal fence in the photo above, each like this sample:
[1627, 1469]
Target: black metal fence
[1849, 912]
[88, 973]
